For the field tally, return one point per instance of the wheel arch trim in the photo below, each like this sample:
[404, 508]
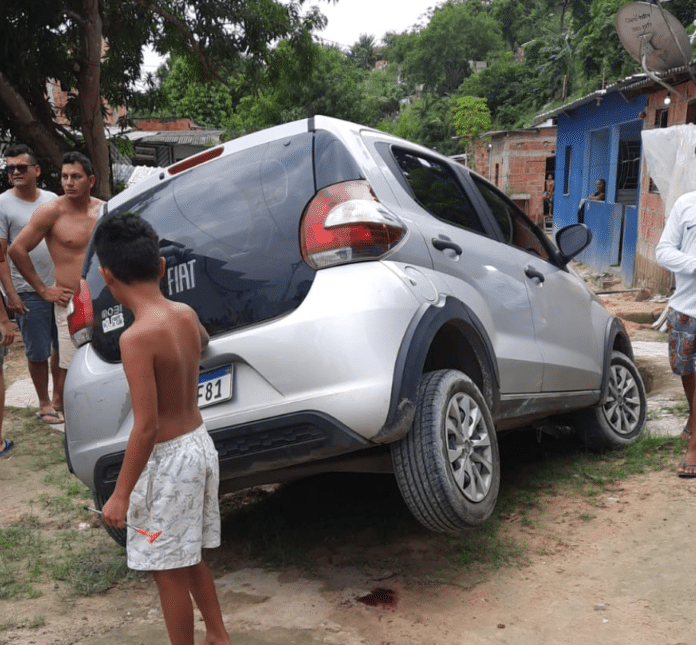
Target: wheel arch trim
[412, 355]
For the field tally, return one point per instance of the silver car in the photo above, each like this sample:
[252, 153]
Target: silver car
[372, 306]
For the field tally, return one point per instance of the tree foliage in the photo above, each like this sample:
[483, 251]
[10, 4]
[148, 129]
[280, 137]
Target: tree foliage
[48, 41]
[471, 119]
[457, 34]
[363, 54]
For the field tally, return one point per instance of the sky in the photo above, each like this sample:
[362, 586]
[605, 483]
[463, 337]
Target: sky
[348, 19]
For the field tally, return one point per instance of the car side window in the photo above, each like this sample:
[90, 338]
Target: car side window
[516, 228]
[437, 190]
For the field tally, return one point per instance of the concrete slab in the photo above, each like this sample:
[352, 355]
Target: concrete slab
[21, 394]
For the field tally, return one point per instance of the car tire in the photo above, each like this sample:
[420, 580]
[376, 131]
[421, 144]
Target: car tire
[118, 535]
[448, 465]
[620, 419]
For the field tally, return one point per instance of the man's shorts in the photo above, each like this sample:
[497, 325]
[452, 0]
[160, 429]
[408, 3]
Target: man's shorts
[177, 493]
[38, 327]
[682, 342]
[66, 348]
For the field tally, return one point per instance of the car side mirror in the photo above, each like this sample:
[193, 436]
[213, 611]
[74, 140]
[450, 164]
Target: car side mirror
[571, 240]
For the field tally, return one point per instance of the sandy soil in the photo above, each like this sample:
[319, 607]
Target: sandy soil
[609, 569]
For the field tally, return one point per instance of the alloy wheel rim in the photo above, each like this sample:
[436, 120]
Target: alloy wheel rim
[468, 445]
[623, 405]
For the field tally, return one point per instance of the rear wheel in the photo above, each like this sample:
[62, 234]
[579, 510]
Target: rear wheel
[448, 467]
[620, 419]
[118, 535]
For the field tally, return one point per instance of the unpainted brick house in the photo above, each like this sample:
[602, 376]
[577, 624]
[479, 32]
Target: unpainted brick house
[517, 162]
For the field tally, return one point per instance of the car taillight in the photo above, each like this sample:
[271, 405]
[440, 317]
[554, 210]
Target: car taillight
[345, 223]
[80, 315]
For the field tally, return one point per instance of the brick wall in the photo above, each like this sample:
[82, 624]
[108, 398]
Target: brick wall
[168, 125]
[520, 158]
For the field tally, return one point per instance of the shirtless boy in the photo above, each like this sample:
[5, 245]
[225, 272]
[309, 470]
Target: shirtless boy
[169, 479]
[66, 223]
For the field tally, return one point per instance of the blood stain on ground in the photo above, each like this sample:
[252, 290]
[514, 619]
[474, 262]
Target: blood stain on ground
[386, 597]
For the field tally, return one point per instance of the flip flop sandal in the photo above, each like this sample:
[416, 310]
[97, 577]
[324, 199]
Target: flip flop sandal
[44, 416]
[9, 445]
[684, 466]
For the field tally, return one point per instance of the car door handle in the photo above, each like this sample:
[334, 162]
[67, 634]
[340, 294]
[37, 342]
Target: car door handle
[441, 245]
[531, 272]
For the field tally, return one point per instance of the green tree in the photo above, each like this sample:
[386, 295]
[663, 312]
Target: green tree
[457, 33]
[61, 41]
[509, 89]
[383, 95]
[471, 119]
[363, 53]
[599, 50]
[184, 94]
[331, 86]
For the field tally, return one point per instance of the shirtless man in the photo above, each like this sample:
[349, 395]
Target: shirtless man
[66, 223]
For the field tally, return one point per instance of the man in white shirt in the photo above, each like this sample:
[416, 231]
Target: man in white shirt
[676, 252]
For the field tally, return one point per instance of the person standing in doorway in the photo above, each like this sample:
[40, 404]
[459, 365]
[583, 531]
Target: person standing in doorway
[33, 314]
[66, 224]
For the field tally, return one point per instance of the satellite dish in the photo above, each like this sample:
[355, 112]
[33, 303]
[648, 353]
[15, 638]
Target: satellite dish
[653, 36]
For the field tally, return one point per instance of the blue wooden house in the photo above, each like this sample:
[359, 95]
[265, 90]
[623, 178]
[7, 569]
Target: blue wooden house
[598, 137]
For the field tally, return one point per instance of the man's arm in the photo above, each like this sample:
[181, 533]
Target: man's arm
[670, 251]
[139, 366]
[37, 229]
[14, 302]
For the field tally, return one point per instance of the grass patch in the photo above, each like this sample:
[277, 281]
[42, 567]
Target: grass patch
[44, 547]
[487, 546]
[678, 409]
[91, 568]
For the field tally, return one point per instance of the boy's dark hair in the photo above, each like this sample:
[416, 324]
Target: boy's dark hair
[78, 157]
[20, 149]
[128, 246]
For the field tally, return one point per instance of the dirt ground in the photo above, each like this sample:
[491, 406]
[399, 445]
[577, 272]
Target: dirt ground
[612, 569]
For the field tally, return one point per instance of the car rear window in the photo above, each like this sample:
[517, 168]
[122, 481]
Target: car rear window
[229, 233]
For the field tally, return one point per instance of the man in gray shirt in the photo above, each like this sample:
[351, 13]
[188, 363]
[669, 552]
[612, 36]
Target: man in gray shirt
[34, 315]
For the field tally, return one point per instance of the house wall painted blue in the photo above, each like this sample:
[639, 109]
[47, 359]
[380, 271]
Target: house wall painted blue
[598, 137]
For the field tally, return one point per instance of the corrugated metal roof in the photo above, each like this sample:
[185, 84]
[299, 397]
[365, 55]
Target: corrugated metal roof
[189, 137]
[628, 84]
[623, 85]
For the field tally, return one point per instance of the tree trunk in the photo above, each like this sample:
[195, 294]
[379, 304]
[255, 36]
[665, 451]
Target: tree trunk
[90, 102]
[28, 129]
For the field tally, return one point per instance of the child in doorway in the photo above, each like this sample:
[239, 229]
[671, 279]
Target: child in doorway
[169, 478]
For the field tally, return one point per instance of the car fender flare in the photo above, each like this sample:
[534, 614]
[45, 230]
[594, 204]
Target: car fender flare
[410, 361]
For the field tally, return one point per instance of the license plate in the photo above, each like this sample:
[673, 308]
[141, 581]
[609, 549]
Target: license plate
[215, 386]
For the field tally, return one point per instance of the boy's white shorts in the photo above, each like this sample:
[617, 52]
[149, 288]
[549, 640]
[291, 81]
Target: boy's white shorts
[177, 493]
